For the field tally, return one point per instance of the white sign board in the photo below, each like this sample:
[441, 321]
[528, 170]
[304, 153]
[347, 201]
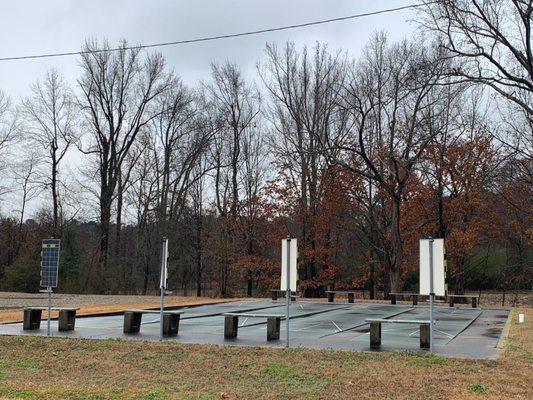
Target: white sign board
[293, 264]
[164, 265]
[439, 270]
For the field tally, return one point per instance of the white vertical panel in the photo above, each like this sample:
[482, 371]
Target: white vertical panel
[164, 265]
[439, 274]
[293, 264]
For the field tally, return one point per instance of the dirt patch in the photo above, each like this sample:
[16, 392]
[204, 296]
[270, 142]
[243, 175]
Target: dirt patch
[93, 305]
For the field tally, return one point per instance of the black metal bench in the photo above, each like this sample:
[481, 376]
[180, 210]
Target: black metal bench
[414, 296]
[276, 294]
[231, 324]
[32, 318]
[171, 321]
[375, 330]
[474, 299]
[350, 293]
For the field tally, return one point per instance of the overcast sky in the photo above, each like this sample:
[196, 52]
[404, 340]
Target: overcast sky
[36, 27]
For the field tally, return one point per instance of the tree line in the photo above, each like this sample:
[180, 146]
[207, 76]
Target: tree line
[357, 158]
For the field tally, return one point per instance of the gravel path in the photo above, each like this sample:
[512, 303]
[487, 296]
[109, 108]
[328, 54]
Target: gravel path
[17, 300]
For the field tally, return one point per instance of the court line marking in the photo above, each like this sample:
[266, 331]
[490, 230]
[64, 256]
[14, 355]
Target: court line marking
[337, 326]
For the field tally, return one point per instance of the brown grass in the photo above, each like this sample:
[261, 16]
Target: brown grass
[32, 367]
[7, 316]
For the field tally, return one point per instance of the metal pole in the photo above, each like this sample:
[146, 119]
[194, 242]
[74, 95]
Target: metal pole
[49, 290]
[288, 291]
[431, 294]
[161, 314]
[163, 281]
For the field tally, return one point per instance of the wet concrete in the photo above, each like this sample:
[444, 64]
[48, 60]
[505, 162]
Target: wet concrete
[459, 331]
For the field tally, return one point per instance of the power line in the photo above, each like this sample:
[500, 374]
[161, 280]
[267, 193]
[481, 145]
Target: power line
[212, 38]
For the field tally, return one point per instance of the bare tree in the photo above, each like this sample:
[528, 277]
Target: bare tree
[305, 92]
[253, 172]
[49, 115]
[8, 123]
[197, 195]
[391, 99]
[141, 197]
[234, 106]
[26, 176]
[183, 136]
[493, 38]
[170, 161]
[117, 89]
[123, 183]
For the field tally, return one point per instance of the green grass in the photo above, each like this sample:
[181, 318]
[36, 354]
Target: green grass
[477, 388]
[19, 394]
[27, 363]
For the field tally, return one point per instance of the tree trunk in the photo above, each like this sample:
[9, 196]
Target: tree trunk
[198, 255]
[441, 227]
[145, 278]
[55, 200]
[373, 283]
[234, 174]
[249, 284]
[395, 256]
[119, 215]
[199, 277]
[105, 218]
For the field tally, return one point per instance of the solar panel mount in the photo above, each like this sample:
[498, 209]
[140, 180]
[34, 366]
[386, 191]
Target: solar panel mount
[50, 262]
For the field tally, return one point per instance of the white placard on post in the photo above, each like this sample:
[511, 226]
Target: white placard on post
[163, 284]
[439, 264]
[293, 264]
[164, 265]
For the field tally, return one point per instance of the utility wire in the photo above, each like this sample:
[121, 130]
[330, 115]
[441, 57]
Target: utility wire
[211, 38]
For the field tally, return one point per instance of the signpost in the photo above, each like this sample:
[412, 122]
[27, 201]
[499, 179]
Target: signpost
[163, 283]
[432, 274]
[289, 275]
[50, 251]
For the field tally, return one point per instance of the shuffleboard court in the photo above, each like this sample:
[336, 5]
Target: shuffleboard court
[299, 311]
[449, 322]
[344, 319]
[463, 332]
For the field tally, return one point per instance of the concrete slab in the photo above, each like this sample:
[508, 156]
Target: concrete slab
[460, 332]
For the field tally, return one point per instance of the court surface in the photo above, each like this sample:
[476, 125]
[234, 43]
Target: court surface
[459, 332]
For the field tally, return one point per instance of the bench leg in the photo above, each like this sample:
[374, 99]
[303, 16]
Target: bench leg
[415, 300]
[350, 297]
[67, 320]
[132, 322]
[393, 299]
[331, 297]
[424, 336]
[231, 325]
[274, 294]
[452, 303]
[32, 319]
[171, 323]
[273, 325]
[375, 335]
[474, 302]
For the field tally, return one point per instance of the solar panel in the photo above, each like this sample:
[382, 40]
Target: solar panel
[50, 262]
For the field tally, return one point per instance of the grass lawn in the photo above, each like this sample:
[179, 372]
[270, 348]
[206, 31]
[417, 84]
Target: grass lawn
[115, 369]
